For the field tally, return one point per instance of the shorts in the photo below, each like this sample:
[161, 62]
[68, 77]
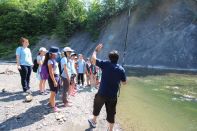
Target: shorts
[110, 104]
[51, 85]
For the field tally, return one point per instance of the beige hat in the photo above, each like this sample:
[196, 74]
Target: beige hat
[66, 49]
[43, 49]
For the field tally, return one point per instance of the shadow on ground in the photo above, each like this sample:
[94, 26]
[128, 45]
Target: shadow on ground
[14, 96]
[27, 118]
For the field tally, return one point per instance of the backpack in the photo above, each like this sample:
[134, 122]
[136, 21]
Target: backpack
[60, 67]
[36, 65]
[44, 74]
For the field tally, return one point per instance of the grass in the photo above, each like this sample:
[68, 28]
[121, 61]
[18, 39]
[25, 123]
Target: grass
[155, 100]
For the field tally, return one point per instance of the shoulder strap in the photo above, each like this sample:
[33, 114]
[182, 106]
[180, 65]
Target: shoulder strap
[62, 70]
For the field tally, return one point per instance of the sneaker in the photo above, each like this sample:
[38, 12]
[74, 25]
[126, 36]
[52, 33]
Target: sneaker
[41, 93]
[92, 123]
[56, 109]
[29, 91]
[67, 105]
[45, 93]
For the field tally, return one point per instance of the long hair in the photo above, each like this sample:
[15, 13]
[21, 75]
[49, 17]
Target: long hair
[65, 54]
[47, 57]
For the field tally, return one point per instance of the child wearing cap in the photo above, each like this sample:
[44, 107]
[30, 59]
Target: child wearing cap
[54, 76]
[40, 60]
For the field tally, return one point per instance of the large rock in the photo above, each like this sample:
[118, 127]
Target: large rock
[164, 36]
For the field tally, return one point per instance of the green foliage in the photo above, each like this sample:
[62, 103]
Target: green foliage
[71, 18]
[32, 18]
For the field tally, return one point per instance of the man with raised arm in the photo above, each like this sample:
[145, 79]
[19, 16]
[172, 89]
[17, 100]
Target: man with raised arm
[113, 75]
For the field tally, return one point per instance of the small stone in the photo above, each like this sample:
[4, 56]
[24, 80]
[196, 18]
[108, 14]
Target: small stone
[28, 98]
[44, 124]
[59, 116]
[3, 90]
[64, 119]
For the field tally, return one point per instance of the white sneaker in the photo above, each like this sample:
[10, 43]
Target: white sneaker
[92, 124]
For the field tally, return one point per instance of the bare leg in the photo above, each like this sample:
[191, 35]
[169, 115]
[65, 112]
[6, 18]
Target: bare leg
[111, 125]
[41, 85]
[52, 99]
[94, 119]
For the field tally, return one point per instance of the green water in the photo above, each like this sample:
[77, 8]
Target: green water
[159, 102]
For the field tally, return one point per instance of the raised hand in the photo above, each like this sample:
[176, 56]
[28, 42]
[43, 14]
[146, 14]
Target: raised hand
[99, 47]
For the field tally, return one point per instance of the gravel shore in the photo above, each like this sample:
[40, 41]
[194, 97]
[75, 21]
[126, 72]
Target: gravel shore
[21, 116]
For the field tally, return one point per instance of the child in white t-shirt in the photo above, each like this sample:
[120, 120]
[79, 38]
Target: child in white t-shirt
[40, 60]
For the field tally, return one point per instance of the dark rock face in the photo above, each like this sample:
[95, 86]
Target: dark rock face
[165, 37]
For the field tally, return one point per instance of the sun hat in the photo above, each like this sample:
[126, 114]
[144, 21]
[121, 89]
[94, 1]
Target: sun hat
[73, 54]
[54, 50]
[68, 49]
[43, 49]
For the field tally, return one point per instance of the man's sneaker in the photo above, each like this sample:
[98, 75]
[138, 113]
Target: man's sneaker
[92, 123]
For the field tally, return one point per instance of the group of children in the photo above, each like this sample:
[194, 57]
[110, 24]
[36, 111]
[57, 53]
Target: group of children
[66, 70]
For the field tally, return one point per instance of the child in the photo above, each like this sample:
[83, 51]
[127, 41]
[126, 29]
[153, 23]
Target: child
[93, 76]
[66, 67]
[81, 69]
[98, 76]
[73, 75]
[54, 78]
[40, 60]
[88, 64]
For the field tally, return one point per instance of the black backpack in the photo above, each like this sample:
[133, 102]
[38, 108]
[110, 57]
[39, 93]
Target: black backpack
[36, 65]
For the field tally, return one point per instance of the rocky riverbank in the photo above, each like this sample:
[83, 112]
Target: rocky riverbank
[21, 116]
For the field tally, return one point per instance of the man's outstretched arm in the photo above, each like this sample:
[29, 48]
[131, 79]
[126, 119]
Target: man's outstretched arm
[94, 55]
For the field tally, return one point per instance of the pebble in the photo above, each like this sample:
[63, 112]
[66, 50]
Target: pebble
[44, 124]
[59, 116]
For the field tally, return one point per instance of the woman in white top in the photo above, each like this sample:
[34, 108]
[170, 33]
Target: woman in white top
[40, 61]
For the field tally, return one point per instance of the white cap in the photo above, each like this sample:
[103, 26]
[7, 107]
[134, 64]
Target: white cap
[66, 49]
[43, 49]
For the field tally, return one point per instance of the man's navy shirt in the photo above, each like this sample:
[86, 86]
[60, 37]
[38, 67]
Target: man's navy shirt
[112, 75]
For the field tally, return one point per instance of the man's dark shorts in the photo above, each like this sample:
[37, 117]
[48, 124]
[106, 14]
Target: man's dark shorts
[110, 104]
